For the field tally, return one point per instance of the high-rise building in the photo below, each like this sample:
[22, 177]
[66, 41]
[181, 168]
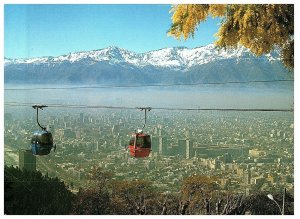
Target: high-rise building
[81, 118]
[27, 161]
[155, 144]
[161, 131]
[247, 175]
[227, 158]
[189, 152]
[115, 129]
[181, 149]
[184, 149]
[155, 130]
[162, 146]
[97, 146]
[86, 119]
[187, 133]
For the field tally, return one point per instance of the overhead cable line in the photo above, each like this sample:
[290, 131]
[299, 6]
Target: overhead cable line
[71, 106]
[154, 108]
[152, 85]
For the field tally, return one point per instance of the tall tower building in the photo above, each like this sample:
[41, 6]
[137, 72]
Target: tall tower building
[162, 146]
[160, 131]
[81, 118]
[248, 175]
[27, 161]
[97, 146]
[187, 133]
[189, 152]
[227, 158]
[155, 144]
[181, 149]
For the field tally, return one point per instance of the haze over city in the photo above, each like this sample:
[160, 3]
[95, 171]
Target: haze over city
[108, 109]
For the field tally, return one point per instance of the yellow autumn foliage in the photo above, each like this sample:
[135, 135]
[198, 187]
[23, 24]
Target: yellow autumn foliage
[259, 27]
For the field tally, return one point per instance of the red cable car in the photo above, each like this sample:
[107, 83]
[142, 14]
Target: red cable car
[140, 145]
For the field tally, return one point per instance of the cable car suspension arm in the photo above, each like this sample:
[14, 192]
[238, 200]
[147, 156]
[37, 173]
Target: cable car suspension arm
[37, 107]
[145, 109]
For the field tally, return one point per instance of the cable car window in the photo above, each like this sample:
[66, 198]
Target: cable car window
[147, 142]
[46, 139]
[139, 141]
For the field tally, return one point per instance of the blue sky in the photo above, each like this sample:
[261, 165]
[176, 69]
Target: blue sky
[52, 30]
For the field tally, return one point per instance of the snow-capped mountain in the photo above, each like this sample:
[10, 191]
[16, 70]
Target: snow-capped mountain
[169, 57]
[117, 65]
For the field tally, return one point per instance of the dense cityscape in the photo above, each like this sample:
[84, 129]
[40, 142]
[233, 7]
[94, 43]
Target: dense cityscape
[139, 109]
[246, 151]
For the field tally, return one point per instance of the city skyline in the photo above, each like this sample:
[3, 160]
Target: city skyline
[217, 141]
[139, 122]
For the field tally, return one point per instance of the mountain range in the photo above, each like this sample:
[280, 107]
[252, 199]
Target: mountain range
[113, 65]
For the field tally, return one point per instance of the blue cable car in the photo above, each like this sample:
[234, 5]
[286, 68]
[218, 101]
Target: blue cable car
[42, 140]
